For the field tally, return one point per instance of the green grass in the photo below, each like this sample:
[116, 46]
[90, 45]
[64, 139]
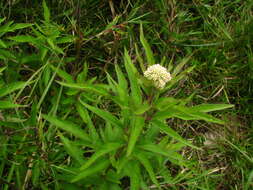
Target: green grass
[51, 51]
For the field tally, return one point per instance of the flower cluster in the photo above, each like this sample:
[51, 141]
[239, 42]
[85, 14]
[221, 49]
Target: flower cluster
[158, 75]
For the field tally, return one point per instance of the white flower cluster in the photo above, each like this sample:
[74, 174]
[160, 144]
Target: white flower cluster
[158, 75]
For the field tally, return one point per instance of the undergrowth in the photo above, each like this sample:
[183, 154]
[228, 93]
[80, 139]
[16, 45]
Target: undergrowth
[76, 111]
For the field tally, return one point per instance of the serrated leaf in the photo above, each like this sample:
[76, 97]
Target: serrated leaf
[148, 51]
[166, 129]
[9, 88]
[103, 150]
[99, 166]
[136, 128]
[211, 107]
[68, 126]
[103, 114]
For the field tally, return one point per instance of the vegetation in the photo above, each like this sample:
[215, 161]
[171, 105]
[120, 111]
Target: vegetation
[77, 112]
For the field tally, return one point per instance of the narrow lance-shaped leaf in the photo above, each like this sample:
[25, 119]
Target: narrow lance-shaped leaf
[136, 128]
[100, 89]
[9, 88]
[86, 118]
[149, 53]
[73, 151]
[132, 72]
[211, 107]
[166, 129]
[173, 156]
[135, 177]
[68, 126]
[121, 79]
[105, 149]
[103, 114]
[198, 115]
[64, 75]
[8, 104]
[101, 165]
[147, 165]
[46, 11]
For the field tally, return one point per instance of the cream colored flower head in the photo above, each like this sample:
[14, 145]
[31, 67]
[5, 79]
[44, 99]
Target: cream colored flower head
[158, 74]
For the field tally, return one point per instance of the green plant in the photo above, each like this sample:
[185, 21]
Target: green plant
[135, 142]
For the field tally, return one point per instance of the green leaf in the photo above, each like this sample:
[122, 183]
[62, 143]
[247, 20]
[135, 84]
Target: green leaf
[2, 19]
[68, 126]
[104, 149]
[19, 26]
[173, 156]
[4, 54]
[46, 12]
[211, 107]
[132, 169]
[9, 88]
[121, 78]
[2, 44]
[147, 165]
[149, 53]
[132, 72]
[103, 114]
[136, 128]
[99, 166]
[166, 129]
[73, 151]
[100, 89]
[36, 173]
[64, 75]
[23, 39]
[179, 67]
[180, 110]
[185, 114]
[8, 104]
[86, 118]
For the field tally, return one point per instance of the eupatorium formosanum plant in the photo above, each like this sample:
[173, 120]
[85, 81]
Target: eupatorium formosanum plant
[126, 141]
